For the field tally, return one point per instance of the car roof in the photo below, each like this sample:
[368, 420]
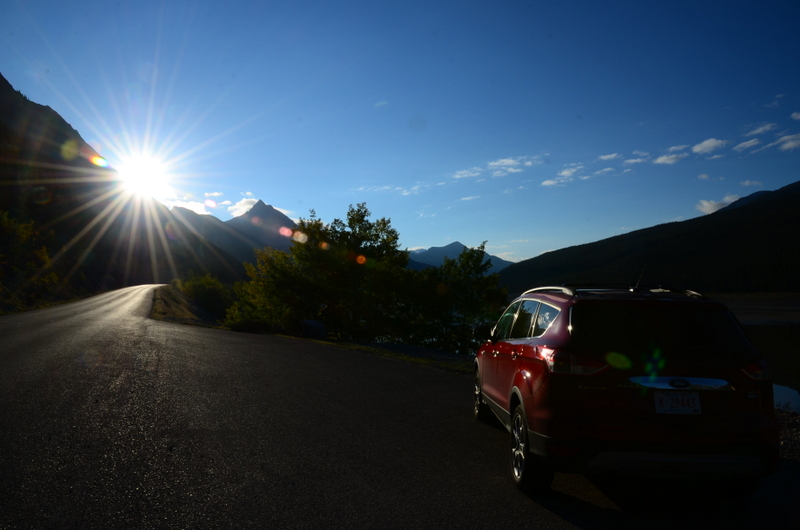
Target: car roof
[572, 293]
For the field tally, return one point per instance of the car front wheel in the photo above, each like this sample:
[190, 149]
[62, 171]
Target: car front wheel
[531, 473]
[479, 409]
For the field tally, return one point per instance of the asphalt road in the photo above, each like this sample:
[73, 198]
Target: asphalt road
[111, 420]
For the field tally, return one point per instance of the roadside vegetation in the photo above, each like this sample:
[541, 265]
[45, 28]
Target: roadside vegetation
[348, 281]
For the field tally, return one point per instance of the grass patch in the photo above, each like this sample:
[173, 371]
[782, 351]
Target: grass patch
[171, 305]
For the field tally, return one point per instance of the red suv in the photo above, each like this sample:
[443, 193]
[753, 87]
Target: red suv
[638, 382]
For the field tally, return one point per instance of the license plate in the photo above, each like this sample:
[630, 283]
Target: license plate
[677, 402]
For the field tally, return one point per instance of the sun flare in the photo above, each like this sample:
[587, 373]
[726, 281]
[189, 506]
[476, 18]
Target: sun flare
[145, 176]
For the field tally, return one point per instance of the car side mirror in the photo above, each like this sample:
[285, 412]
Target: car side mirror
[483, 333]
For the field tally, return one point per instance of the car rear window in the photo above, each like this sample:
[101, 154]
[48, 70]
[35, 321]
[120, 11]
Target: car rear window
[677, 330]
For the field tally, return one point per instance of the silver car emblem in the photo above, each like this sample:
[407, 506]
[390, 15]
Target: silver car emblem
[679, 383]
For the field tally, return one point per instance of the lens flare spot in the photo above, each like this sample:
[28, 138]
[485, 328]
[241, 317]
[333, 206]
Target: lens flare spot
[170, 231]
[41, 195]
[618, 360]
[299, 236]
[210, 204]
[286, 232]
[99, 161]
[324, 246]
[70, 149]
[361, 259]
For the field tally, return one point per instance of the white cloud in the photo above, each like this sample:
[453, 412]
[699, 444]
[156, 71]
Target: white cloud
[703, 176]
[751, 183]
[746, 145]
[242, 207]
[224, 203]
[551, 182]
[670, 159]
[796, 115]
[708, 207]
[603, 171]
[567, 173]
[504, 162]
[247, 193]
[706, 146]
[635, 160]
[471, 198]
[642, 154]
[464, 173]
[677, 148]
[609, 157]
[788, 143]
[761, 129]
[196, 207]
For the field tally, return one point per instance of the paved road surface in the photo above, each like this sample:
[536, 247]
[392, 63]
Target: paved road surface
[111, 420]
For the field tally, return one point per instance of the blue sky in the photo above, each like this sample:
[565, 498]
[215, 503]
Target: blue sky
[530, 125]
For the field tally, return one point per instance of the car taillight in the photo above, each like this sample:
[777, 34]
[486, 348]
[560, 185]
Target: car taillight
[758, 371]
[560, 362]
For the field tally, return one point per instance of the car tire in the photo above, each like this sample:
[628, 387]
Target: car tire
[531, 473]
[480, 411]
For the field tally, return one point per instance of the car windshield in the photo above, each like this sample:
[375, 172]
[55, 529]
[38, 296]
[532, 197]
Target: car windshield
[676, 330]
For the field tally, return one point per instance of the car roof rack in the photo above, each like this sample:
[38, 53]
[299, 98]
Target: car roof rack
[574, 289]
[561, 288]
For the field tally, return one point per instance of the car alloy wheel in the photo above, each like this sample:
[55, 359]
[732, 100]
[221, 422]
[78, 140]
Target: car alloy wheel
[531, 473]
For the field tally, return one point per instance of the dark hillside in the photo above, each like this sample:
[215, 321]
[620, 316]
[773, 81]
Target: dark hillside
[750, 248]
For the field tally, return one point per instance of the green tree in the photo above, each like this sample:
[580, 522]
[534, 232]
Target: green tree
[465, 297]
[208, 292]
[27, 278]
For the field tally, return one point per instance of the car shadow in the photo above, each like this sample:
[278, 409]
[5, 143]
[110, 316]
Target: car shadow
[608, 502]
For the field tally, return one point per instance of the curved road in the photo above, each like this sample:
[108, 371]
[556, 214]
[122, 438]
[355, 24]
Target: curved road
[109, 420]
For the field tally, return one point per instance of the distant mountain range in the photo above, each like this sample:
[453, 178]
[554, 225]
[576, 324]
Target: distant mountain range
[752, 245]
[259, 227]
[434, 257]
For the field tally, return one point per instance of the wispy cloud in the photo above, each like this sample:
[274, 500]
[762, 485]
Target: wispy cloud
[570, 171]
[677, 148]
[471, 198]
[761, 129]
[196, 207]
[635, 160]
[242, 207]
[466, 173]
[604, 171]
[707, 146]
[747, 145]
[796, 115]
[503, 166]
[703, 176]
[708, 207]
[787, 143]
[414, 190]
[609, 157]
[670, 159]
[751, 183]
[213, 194]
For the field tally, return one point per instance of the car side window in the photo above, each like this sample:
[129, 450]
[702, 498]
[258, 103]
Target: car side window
[523, 324]
[547, 314]
[503, 327]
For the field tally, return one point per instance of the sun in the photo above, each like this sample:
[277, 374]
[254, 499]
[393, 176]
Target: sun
[145, 176]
